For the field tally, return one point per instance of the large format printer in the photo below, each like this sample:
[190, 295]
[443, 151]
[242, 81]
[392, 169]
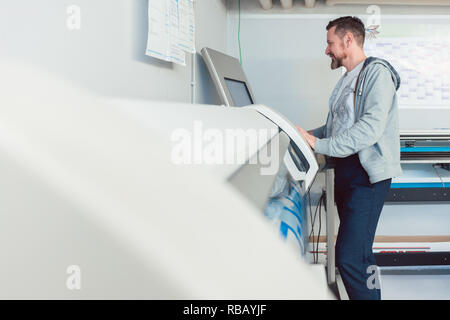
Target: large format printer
[120, 199]
[299, 162]
[421, 194]
[425, 156]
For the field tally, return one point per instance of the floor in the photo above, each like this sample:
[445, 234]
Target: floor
[410, 283]
[415, 283]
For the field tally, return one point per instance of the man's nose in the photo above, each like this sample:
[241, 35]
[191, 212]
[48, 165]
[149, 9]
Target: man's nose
[327, 51]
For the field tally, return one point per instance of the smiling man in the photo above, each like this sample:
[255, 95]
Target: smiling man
[361, 137]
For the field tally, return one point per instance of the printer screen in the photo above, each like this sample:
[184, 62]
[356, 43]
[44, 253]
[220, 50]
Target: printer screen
[239, 92]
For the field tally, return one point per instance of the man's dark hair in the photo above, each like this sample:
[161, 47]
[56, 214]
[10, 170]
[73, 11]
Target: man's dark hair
[349, 24]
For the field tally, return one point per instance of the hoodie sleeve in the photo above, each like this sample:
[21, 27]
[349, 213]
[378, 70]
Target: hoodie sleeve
[319, 132]
[367, 130]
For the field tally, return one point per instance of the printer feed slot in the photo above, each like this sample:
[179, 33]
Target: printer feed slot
[298, 158]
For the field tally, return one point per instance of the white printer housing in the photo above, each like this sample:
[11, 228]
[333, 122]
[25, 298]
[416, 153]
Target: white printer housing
[94, 207]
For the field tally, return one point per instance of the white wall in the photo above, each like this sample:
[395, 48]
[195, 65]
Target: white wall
[211, 31]
[283, 52]
[107, 55]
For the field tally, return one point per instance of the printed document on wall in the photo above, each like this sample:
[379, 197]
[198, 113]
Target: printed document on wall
[170, 29]
[421, 55]
[186, 26]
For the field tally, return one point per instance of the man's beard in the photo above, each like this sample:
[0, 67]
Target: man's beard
[335, 63]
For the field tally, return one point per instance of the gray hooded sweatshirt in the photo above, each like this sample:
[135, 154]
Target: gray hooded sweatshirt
[375, 134]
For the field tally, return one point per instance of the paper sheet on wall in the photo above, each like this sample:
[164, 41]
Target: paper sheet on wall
[171, 29]
[186, 26]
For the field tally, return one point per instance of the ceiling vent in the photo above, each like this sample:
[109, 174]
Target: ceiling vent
[285, 4]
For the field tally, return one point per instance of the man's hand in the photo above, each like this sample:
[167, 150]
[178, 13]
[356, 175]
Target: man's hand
[308, 136]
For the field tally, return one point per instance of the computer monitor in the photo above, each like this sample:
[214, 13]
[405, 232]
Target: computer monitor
[229, 78]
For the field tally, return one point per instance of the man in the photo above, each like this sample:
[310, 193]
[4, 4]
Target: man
[361, 137]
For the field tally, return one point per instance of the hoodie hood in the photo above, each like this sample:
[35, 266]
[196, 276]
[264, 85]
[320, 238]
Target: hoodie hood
[394, 73]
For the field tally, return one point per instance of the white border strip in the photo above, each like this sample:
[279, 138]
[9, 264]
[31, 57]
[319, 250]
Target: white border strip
[293, 16]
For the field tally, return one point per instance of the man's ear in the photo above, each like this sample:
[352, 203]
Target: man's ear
[348, 39]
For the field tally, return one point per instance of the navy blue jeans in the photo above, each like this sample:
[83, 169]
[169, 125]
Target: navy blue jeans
[359, 205]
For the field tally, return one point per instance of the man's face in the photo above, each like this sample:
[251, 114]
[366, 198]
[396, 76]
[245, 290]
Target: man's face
[335, 48]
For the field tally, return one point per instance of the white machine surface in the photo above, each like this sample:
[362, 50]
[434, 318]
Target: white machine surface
[198, 119]
[286, 200]
[423, 173]
[92, 208]
[203, 125]
[301, 174]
